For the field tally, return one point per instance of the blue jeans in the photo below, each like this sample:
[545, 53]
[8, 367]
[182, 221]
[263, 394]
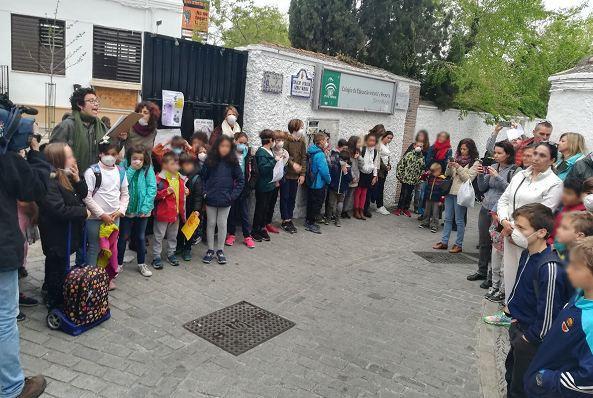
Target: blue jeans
[138, 225]
[288, 194]
[452, 208]
[92, 231]
[12, 379]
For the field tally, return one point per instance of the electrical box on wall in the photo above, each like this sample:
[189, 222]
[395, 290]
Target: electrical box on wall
[331, 127]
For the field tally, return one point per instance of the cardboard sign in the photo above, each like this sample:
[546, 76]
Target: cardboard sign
[124, 124]
[191, 225]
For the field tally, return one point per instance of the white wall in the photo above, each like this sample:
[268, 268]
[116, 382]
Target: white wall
[469, 125]
[570, 108]
[265, 110]
[28, 88]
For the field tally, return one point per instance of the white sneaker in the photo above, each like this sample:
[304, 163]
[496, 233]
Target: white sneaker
[383, 210]
[129, 256]
[120, 268]
[144, 270]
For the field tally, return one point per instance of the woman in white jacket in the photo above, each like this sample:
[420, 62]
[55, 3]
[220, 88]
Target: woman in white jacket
[536, 184]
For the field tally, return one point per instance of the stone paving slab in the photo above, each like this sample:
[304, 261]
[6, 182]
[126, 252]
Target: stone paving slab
[372, 320]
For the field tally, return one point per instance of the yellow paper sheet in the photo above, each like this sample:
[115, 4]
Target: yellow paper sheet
[191, 225]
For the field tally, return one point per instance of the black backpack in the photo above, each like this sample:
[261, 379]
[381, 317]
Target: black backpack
[253, 172]
[310, 177]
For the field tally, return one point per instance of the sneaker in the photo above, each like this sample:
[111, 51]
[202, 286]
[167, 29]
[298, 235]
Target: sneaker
[337, 222]
[157, 263]
[230, 240]
[34, 387]
[272, 229]
[423, 226]
[173, 260]
[264, 235]
[129, 257]
[248, 241]
[197, 240]
[367, 214]
[144, 270]
[407, 213]
[293, 229]
[286, 226]
[207, 259]
[120, 268]
[112, 285]
[25, 301]
[397, 212]
[257, 237]
[498, 297]
[433, 230]
[476, 276]
[324, 220]
[220, 257]
[383, 210]
[498, 319]
[345, 215]
[186, 255]
[491, 292]
[20, 317]
[312, 228]
[486, 284]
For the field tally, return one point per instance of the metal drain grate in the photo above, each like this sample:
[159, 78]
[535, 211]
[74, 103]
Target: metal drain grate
[239, 327]
[446, 258]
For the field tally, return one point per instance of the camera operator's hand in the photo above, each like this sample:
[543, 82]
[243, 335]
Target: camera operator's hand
[34, 144]
[497, 129]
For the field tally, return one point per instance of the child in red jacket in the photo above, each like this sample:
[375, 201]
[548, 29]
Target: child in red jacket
[169, 209]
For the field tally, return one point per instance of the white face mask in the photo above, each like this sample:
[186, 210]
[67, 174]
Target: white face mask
[279, 144]
[202, 156]
[137, 164]
[520, 239]
[418, 149]
[299, 133]
[326, 145]
[108, 160]
[588, 202]
[231, 119]
[143, 122]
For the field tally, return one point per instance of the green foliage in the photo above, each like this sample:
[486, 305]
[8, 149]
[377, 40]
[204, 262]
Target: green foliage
[241, 22]
[327, 26]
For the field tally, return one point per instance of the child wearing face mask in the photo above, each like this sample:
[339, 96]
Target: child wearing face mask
[540, 291]
[295, 172]
[107, 199]
[341, 176]
[334, 162]
[169, 210]
[281, 155]
[239, 214]
[368, 164]
[265, 189]
[318, 177]
[142, 191]
[190, 169]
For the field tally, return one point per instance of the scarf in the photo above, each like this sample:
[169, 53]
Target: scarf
[81, 141]
[462, 160]
[173, 180]
[440, 149]
[143, 131]
[228, 131]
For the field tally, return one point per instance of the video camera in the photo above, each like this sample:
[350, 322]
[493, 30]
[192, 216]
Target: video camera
[15, 131]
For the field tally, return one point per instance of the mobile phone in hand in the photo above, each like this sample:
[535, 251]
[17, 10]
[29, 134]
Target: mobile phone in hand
[505, 123]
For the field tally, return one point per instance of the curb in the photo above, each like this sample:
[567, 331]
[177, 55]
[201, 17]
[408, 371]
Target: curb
[492, 350]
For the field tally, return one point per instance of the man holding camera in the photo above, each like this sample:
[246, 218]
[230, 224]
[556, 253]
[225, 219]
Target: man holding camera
[24, 180]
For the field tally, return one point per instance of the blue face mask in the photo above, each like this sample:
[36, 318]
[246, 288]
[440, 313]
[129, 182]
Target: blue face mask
[177, 151]
[241, 148]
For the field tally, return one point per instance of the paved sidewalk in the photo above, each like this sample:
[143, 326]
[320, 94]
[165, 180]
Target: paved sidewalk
[372, 320]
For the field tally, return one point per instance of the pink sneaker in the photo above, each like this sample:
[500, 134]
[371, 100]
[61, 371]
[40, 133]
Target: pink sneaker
[112, 285]
[397, 212]
[407, 213]
[230, 240]
[249, 242]
[272, 229]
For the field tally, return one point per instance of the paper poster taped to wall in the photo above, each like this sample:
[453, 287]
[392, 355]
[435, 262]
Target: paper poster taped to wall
[164, 136]
[172, 108]
[204, 125]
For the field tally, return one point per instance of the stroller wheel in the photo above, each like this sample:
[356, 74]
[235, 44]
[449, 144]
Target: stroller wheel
[53, 321]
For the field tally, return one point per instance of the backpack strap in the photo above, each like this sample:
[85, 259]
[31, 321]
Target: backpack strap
[550, 257]
[98, 177]
[122, 174]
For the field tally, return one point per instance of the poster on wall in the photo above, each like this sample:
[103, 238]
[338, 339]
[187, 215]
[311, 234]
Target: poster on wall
[195, 18]
[301, 84]
[353, 92]
[204, 125]
[164, 136]
[272, 82]
[402, 98]
[172, 108]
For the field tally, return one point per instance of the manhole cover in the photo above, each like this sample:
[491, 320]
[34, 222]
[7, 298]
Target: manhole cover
[239, 327]
[445, 258]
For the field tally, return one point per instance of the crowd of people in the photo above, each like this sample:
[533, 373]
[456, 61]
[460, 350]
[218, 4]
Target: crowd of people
[98, 196]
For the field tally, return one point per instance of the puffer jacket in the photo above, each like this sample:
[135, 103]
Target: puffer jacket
[167, 208]
[223, 183]
[583, 168]
[461, 175]
[319, 167]
[146, 189]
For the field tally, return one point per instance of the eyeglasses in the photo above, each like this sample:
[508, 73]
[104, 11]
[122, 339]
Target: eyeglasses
[94, 101]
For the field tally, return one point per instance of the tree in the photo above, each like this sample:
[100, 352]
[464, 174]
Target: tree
[238, 23]
[404, 36]
[328, 26]
[518, 45]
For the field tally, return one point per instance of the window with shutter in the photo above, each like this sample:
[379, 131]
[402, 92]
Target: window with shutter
[117, 54]
[34, 41]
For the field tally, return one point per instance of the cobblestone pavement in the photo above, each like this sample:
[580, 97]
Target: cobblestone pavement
[372, 320]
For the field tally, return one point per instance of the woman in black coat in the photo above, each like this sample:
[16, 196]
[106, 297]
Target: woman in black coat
[61, 218]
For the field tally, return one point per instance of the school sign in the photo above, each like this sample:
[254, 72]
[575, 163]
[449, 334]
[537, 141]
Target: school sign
[355, 92]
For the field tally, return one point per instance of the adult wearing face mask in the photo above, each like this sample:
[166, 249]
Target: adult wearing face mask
[229, 125]
[296, 147]
[82, 130]
[144, 131]
[536, 184]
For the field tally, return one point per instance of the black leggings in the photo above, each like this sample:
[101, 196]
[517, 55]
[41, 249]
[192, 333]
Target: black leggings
[405, 196]
[55, 275]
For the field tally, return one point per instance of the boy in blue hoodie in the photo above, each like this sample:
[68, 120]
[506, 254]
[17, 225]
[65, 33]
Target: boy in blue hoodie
[540, 291]
[563, 366]
[317, 178]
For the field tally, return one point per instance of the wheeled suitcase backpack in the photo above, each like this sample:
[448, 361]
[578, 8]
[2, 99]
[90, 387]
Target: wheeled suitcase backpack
[86, 298]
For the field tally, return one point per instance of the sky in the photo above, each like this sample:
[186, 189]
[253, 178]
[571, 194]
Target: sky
[550, 4]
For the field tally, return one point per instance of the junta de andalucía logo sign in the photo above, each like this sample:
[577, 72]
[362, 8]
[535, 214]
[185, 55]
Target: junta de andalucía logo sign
[330, 88]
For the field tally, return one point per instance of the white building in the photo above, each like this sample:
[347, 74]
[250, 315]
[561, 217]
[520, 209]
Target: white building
[570, 108]
[107, 34]
[272, 98]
